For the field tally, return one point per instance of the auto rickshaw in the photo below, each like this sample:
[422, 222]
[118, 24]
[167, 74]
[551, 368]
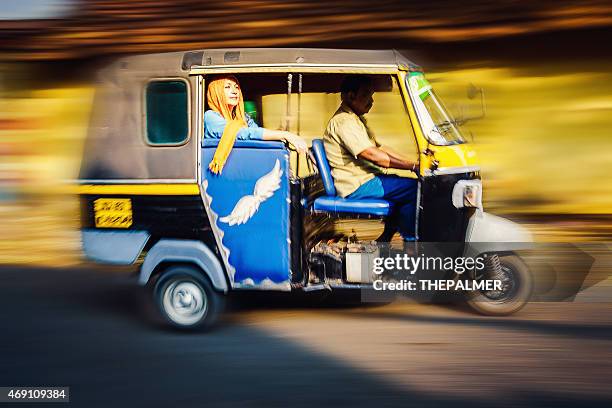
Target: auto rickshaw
[149, 200]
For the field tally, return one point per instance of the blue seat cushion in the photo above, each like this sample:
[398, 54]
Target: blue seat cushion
[374, 207]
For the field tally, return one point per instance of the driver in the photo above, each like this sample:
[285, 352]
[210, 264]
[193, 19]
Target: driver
[359, 162]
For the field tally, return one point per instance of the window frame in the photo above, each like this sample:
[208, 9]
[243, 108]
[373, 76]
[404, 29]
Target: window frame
[413, 101]
[145, 127]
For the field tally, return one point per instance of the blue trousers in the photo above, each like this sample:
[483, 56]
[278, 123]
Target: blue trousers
[401, 194]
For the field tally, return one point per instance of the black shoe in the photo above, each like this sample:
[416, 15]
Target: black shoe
[387, 234]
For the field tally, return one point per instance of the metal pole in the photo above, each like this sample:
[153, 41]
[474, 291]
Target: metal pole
[299, 102]
[288, 111]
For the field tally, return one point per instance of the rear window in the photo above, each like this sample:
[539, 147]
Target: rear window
[167, 112]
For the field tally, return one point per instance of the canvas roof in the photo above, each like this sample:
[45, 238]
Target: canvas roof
[265, 56]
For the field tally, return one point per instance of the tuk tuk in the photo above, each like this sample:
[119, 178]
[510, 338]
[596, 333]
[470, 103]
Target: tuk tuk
[268, 221]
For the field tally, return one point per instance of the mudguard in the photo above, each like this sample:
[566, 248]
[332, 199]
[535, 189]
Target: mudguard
[181, 250]
[490, 233]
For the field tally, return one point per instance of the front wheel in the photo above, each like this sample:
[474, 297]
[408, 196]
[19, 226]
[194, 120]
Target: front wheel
[516, 288]
[186, 299]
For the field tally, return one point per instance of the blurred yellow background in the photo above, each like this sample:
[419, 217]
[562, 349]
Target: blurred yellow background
[544, 146]
[545, 143]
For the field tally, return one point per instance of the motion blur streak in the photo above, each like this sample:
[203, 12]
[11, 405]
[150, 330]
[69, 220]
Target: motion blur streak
[102, 27]
[548, 131]
[41, 137]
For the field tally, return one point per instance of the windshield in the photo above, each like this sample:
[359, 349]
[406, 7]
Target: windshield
[438, 126]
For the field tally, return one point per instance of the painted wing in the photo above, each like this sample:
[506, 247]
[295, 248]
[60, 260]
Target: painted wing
[269, 183]
[248, 205]
[243, 210]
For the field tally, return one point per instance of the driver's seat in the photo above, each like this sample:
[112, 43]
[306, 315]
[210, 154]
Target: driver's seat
[332, 204]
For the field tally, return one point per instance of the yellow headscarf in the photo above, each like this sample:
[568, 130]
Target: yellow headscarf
[234, 117]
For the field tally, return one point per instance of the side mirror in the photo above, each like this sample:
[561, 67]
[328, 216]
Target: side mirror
[472, 93]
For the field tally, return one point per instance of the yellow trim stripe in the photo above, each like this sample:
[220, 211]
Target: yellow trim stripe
[140, 189]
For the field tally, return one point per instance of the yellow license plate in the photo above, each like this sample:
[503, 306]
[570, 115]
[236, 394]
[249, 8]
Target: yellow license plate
[113, 212]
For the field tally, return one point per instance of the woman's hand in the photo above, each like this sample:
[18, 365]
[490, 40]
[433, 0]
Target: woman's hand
[300, 144]
[291, 138]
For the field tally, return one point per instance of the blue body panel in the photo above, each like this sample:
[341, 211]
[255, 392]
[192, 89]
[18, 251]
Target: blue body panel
[258, 244]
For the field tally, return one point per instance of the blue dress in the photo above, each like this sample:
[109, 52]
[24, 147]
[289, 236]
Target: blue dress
[214, 124]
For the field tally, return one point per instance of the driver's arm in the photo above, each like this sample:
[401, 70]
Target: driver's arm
[383, 159]
[393, 153]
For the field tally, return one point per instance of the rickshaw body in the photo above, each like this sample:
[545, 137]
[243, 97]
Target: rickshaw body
[148, 199]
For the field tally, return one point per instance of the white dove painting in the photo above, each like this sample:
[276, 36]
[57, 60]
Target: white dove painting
[248, 205]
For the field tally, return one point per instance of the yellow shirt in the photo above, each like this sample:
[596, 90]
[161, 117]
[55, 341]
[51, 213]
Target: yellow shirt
[346, 136]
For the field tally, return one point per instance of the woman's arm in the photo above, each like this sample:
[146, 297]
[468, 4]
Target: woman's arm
[282, 135]
[214, 125]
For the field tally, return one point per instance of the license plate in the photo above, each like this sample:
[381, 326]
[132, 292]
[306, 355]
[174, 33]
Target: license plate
[113, 212]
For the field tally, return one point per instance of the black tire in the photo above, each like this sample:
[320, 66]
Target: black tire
[186, 298]
[517, 295]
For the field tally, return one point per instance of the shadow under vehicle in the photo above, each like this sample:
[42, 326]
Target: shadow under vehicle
[266, 223]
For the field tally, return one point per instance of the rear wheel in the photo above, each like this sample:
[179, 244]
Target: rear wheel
[516, 288]
[186, 299]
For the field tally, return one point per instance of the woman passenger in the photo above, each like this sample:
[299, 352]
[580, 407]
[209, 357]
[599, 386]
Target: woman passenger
[226, 120]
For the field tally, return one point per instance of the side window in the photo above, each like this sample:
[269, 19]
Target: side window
[166, 107]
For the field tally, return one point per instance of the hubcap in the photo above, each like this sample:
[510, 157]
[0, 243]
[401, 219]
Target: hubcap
[508, 285]
[185, 302]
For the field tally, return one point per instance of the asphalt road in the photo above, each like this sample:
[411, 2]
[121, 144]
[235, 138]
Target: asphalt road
[92, 331]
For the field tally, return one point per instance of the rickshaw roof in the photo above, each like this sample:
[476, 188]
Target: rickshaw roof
[237, 57]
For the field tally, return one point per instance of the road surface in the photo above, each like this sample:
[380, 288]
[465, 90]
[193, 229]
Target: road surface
[92, 331]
